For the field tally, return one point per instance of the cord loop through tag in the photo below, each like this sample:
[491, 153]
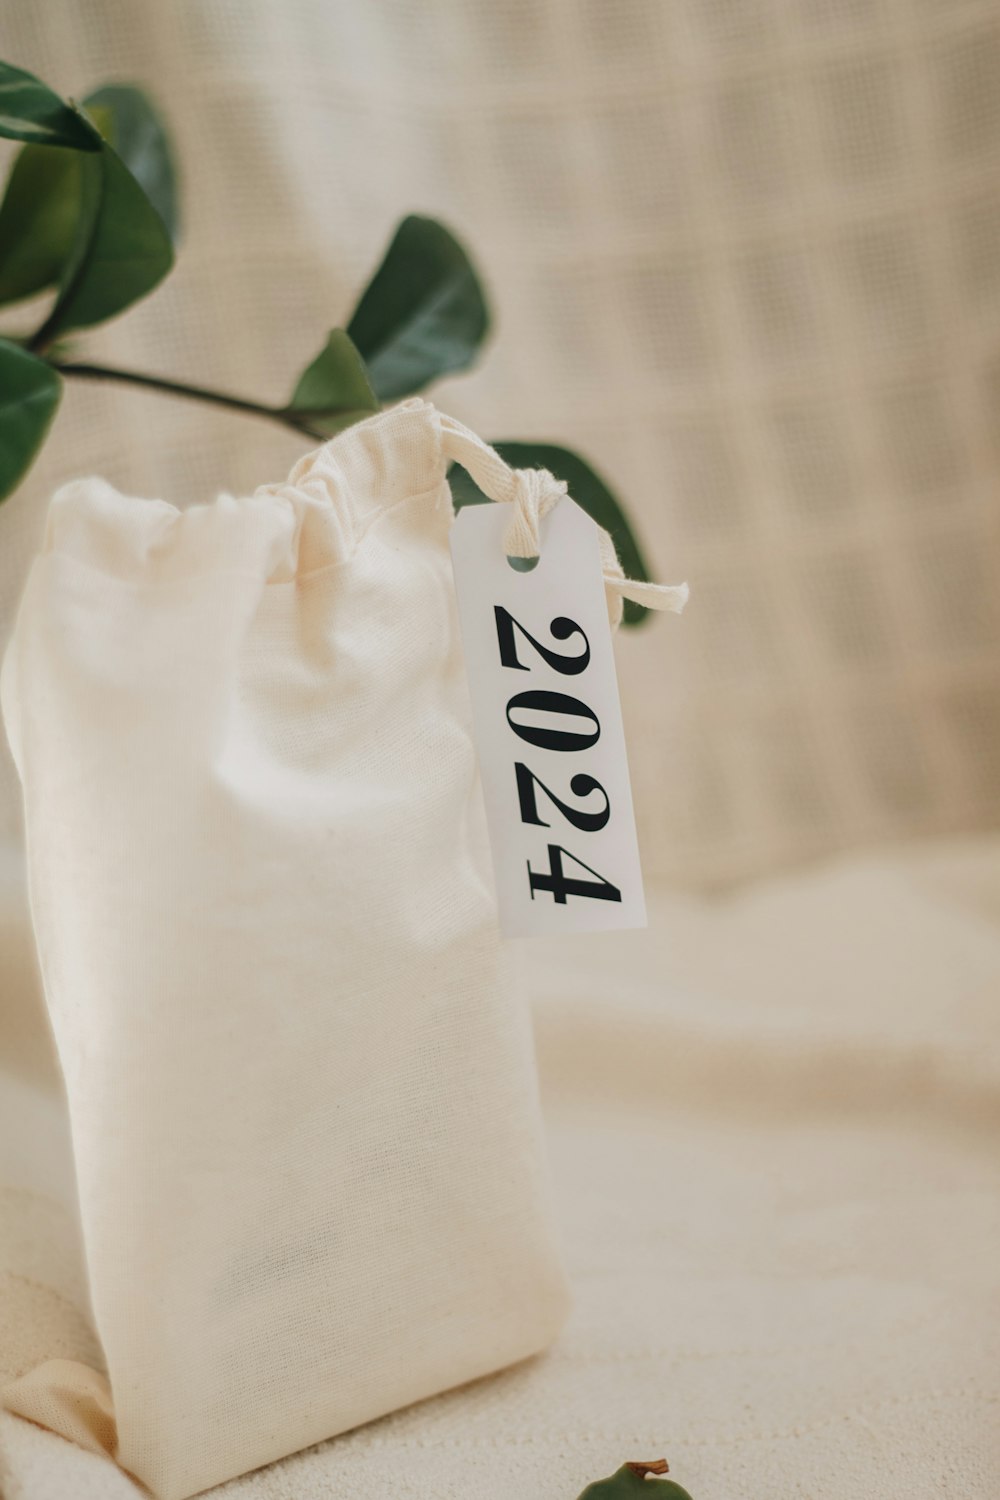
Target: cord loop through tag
[535, 493]
[531, 493]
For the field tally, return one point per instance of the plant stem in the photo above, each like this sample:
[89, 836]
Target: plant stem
[191, 392]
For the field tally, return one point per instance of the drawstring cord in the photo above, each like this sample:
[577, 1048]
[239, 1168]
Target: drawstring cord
[531, 494]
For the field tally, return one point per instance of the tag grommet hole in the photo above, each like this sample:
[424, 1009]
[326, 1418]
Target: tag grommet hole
[523, 564]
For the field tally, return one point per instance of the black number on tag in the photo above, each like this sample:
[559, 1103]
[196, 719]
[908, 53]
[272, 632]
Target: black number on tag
[540, 701]
[580, 785]
[562, 885]
[561, 628]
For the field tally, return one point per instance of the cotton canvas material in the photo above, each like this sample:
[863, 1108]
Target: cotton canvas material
[300, 1082]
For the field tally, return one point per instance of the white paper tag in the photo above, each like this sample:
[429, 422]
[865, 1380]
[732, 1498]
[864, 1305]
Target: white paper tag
[548, 725]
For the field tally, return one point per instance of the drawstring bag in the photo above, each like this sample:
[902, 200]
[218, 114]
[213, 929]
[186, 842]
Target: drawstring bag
[301, 1086]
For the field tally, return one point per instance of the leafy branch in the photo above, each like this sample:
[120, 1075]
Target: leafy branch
[281, 414]
[90, 217]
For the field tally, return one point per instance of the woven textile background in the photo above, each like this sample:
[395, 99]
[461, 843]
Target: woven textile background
[744, 255]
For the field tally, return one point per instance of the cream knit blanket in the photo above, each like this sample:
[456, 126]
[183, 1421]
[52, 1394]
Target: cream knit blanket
[773, 1131]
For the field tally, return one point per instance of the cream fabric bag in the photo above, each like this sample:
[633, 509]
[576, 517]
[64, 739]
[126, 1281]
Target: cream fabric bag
[301, 1087]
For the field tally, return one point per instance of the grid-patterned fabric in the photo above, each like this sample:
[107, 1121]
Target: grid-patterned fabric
[746, 256]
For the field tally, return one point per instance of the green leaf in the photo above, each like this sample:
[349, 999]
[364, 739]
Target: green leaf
[130, 123]
[423, 313]
[30, 111]
[42, 204]
[29, 394]
[334, 391]
[120, 252]
[37, 220]
[585, 486]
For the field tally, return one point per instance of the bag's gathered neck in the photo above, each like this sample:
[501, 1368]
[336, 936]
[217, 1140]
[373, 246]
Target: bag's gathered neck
[531, 494]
